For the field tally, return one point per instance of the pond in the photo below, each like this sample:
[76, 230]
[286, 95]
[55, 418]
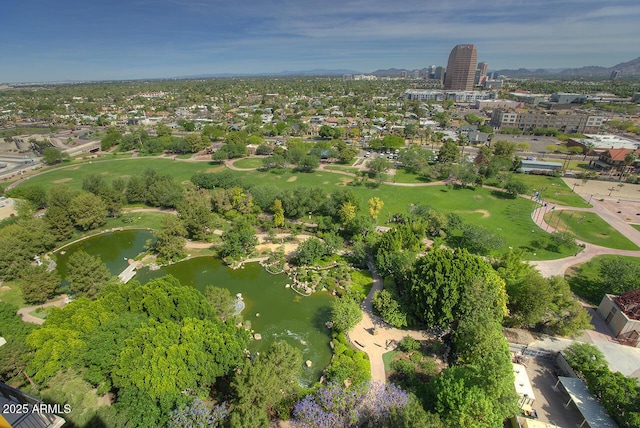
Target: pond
[275, 312]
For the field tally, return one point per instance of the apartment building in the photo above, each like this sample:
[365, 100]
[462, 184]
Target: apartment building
[569, 122]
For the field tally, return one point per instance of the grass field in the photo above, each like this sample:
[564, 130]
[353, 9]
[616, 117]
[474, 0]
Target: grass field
[23, 131]
[636, 226]
[248, 163]
[507, 217]
[362, 281]
[553, 189]
[403, 176]
[585, 280]
[589, 227]
[345, 168]
[72, 176]
[11, 292]
[387, 357]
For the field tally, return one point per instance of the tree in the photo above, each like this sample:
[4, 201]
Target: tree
[310, 251]
[480, 240]
[198, 414]
[619, 275]
[278, 213]
[221, 301]
[389, 308]
[345, 314]
[266, 381]
[347, 212]
[52, 156]
[375, 205]
[347, 154]
[86, 274]
[441, 277]
[87, 211]
[379, 166]
[170, 239]
[38, 283]
[164, 359]
[239, 241]
[195, 213]
[515, 188]
[448, 152]
[504, 149]
[326, 132]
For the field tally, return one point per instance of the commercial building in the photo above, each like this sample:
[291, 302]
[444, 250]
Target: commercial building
[461, 68]
[598, 144]
[569, 122]
[457, 96]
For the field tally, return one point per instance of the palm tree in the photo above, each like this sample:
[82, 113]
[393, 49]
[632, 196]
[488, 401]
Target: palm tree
[629, 160]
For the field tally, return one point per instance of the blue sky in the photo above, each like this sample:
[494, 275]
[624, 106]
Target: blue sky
[48, 40]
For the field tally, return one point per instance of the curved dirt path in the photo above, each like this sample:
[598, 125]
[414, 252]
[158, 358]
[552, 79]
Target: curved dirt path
[27, 317]
[362, 337]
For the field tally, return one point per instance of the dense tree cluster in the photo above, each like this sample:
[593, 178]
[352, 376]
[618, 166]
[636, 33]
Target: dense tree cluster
[145, 343]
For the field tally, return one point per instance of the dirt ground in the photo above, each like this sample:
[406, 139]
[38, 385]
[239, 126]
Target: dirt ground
[624, 201]
[8, 209]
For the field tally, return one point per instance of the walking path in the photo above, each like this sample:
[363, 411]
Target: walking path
[25, 313]
[375, 345]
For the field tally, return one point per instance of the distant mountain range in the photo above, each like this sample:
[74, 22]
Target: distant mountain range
[627, 69]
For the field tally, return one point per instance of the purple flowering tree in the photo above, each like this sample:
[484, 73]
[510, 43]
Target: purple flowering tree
[336, 406]
[198, 414]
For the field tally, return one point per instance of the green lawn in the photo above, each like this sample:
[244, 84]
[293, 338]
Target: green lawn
[585, 280]
[72, 176]
[510, 218]
[387, 357]
[362, 281]
[636, 226]
[12, 293]
[554, 190]
[345, 168]
[403, 176]
[248, 163]
[589, 227]
[41, 312]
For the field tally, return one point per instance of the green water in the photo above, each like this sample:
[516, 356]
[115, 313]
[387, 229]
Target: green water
[275, 312]
[113, 248]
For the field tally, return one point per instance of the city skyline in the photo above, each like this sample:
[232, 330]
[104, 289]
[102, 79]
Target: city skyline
[142, 39]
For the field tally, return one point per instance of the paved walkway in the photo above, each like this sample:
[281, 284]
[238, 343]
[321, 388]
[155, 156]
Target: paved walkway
[550, 268]
[363, 338]
[27, 317]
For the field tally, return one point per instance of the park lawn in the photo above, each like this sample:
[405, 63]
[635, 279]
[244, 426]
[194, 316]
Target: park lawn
[73, 175]
[362, 281]
[387, 357]
[589, 227]
[636, 226]
[402, 176]
[554, 190]
[247, 163]
[345, 168]
[12, 294]
[41, 312]
[585, 280]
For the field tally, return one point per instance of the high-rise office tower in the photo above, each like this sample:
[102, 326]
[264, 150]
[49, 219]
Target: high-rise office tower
[483, 67]
[461, 68]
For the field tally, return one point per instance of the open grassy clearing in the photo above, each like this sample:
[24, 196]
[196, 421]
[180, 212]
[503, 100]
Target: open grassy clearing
[636, 226]
[507, 217]
[553, 189]
[585, 280]
[11, 292]
[248, 163]
[72, 176]
[345, 168]
[589, 227]
[403, 176]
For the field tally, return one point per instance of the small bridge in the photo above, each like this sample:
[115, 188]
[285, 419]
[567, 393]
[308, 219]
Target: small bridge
[126, 275]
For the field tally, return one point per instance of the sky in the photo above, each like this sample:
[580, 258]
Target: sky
[48, 40]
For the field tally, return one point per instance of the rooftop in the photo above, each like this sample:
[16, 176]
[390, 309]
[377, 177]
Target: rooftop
[629, 303]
